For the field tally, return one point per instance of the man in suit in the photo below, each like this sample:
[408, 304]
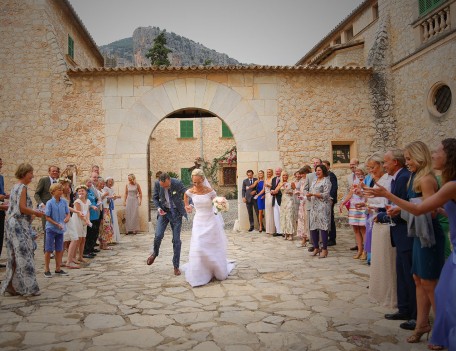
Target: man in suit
[248, 197]
[309, 180]
[394, 162]
[42, 194]
[3, 197]
[276, 200]
[333, 194]
[168, 199]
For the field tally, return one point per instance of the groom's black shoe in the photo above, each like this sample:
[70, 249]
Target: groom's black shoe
[398, 316]
[177, 271]
[151, 259]
[251, 229]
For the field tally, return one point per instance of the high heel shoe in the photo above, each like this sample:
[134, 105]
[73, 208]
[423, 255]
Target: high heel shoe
[315, 252]
[358, 255]
[363, 256]
[324, 254]
[418, 333]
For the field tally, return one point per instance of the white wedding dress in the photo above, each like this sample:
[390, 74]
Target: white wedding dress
[207, 255]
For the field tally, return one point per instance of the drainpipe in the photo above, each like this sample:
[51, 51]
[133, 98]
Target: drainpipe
[201, 138]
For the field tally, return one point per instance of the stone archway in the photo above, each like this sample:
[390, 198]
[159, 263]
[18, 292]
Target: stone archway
[129, 130]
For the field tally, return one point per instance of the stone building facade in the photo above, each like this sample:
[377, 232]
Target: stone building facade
[57, 110]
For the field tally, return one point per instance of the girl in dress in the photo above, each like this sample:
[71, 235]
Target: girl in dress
[207, 256]
[70, 236]
[133, 198]
[111, 197]
[357, 216]
[20, 268]
[81, 218]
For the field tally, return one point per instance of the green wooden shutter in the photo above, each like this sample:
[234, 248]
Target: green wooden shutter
[226, 132]
[186, 177]
[186, 129]
[426, 6]
[70, 47]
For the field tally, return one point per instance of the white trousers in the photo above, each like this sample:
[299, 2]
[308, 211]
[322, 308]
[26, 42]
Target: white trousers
[276, 209]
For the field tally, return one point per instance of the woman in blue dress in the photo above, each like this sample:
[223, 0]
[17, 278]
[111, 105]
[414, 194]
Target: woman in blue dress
[444, 158]
[260, 198]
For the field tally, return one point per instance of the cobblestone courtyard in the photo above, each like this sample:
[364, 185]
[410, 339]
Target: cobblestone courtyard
[277, 298]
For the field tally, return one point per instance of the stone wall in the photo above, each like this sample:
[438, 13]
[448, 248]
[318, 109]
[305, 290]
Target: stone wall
[352, 56]
[45, 118]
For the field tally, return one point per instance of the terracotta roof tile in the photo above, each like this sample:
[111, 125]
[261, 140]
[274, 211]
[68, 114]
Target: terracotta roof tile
[260, 68]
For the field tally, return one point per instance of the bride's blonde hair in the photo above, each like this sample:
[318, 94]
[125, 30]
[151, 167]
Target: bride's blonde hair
[198, 172]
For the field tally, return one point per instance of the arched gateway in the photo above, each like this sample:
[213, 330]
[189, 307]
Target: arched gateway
[266, 108]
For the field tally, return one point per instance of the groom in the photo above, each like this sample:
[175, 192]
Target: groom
[168, 199]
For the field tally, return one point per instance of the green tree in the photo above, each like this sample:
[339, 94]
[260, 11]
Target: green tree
[158, 53]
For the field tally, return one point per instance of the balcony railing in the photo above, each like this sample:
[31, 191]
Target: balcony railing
[434, 25]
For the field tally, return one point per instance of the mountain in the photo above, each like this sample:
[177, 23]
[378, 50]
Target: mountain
[185, 52]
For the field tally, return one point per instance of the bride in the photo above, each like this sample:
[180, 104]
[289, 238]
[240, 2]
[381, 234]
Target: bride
[207, 256]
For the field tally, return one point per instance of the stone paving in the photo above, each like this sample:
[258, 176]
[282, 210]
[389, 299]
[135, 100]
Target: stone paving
[277, 298]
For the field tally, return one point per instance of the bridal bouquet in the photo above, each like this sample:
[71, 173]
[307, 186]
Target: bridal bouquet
[220, 204]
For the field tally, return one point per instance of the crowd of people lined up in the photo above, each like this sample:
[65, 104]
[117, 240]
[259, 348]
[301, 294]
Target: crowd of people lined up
[402, 207]
[74, 219]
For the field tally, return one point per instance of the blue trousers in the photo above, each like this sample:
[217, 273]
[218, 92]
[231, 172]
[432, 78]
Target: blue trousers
[175, 220]
[406, 290]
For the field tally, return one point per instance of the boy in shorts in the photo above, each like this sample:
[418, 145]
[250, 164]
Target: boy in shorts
[57, 215]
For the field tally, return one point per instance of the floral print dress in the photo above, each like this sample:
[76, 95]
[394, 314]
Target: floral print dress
[20, 267]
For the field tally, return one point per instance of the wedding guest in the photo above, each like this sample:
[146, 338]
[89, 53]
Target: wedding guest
[287, 207]
[276, 201]
[320, 210]
[57, 215]
[382, 279]
[94, 210]
[303, 220]
[268, 209]
[42, 194]
[333, 179]
[112, 196]
[351, 178]
[106, 228]
[3, 196]
[248, 194]
[356, 216]
[309, 180]
[20, 268]
[260, 198]
[444, 158]
[70, 236]
[428, 251]
[96, 169]
[133, 198]
[81, 219]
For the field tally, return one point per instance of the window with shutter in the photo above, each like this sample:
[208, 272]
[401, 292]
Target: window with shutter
[226, 132]
[70, 47]
[186, 129]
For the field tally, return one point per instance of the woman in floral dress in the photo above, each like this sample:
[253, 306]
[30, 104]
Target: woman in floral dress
[303, 221]
[20, 268]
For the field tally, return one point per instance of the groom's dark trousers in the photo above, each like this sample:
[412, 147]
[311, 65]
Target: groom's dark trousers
[174, 218]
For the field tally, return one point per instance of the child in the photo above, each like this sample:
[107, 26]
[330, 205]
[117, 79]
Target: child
[356, 214]
[80, 223]
[57, 214]
[71, 238]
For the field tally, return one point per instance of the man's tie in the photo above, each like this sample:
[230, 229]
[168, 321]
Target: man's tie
[393, 182]
[251, 182]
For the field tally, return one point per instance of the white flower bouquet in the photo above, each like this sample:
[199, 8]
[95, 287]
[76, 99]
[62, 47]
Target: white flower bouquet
[220, 204]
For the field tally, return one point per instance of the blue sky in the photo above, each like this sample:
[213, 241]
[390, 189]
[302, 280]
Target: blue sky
[266, 32]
